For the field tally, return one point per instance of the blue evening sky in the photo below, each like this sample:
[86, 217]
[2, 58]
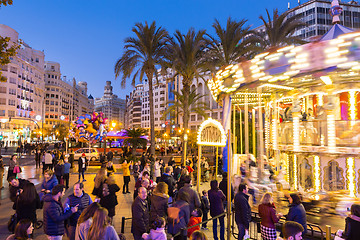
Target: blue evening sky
[86, 36]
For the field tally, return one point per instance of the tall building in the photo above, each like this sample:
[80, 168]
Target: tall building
[133, 107]
[82, 103]
[112, 106]
[22, 95]
[315, 13]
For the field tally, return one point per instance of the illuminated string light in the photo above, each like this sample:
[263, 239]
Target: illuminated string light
[331, 133]
[216, 124]
[295, 172]
[352, 107]
[274, 134]
[350, 176]
[317, 174]
[296, 133]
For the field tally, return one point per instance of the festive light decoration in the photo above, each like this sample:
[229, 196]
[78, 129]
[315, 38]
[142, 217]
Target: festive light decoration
[274, 134]
[211, 138]
[296, 133]
[295, 172]
[267, 128]
[317, 169]
[350, 176]
[352, 107]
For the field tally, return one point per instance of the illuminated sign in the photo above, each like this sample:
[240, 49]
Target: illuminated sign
[211, 133]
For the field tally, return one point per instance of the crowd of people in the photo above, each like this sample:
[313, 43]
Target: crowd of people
[165, 203]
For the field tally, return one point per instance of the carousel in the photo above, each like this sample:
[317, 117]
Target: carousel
[298, 110]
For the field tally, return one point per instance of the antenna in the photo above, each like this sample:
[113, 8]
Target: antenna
[299, 2]
[288, 5]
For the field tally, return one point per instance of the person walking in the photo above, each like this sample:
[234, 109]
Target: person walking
[59, 171]
[85, 220]
[2, 169]
[159, 202]
[268, 217]
[80, 199]
[37, 158]
[126, 175]
[179, 225]
[242, 210]
[194, 200]
[216, 199]
[83, 162]
[13, 165]
[27, 203]
[108, 199]
[100, 228]
[297, 211]
[140, 215]
[67, 167]
[54, 214]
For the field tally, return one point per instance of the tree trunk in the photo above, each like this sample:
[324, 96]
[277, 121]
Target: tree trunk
[186, 92]
[152, 118]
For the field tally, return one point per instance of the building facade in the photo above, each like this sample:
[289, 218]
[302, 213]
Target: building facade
[315, 13]
[111, 105]
[133, 107]
[22, 95]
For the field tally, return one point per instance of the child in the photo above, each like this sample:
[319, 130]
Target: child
[194, 219]
[205, 207]
[158, 230]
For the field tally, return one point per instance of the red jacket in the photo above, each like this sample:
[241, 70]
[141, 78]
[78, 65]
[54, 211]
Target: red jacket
[193, 221]
[268, 215]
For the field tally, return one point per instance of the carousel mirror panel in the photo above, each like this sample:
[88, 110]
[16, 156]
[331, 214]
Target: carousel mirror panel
[333, 177]
[305, 174]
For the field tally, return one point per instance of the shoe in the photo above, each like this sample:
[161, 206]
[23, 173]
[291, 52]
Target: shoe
[124, 192]
[127, 192]
[84, 180]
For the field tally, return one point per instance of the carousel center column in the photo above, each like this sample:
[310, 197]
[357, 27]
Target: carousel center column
[296, 112]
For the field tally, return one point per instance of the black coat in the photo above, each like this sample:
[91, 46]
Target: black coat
[223, 188]
[140, 216]
[216, 199]
[352, 228]
[27, 210]
[14, 190]
[80, 164]
[54, 216]
[194, 199]
[110, 201]
[169, 180]
[158, 207]
[242, 209]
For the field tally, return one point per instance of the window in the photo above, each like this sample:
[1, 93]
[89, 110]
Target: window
[11, 113]
[11, 102]
[192, 118]
[2, 89]
[12, 91]
[2, 101]
[2, 113]
[12, 80]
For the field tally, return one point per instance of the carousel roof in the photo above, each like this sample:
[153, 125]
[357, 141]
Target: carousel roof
[335, 31]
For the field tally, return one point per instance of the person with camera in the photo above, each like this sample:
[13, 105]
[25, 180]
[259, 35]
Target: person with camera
[16, 186]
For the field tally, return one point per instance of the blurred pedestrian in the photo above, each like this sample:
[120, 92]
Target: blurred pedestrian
[23, 230]
[157, 170]
[59, 171]
[126, 175]
[216, 199]
[110, 168]
[13, 166]
[242, 210]
[179, 225]
[223, 187]
[136, 171]
[140, 215]
[268, 217]
[49, 182]
[159, 202]
[85, 220]
[194, 200]
[67, 167]
[99, 180]
[2, 169]
[101, 228]
[110, 155]
[83, 162]
[297, 211]
[48, 158]
[108, 199]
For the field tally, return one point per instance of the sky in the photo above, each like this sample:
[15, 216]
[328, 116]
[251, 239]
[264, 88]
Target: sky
[87, 37]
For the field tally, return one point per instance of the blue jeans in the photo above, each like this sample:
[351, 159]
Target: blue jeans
[222, 228]
[241, 228]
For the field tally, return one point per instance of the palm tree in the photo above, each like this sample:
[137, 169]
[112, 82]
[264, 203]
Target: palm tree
[280, 29]
[135, 138]
[142, 55]
[232, 44]
[193, 100]
[186, 58]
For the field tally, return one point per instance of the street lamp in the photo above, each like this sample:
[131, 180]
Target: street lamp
[38, 118]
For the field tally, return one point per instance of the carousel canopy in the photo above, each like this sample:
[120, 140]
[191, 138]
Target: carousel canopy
[335, 31]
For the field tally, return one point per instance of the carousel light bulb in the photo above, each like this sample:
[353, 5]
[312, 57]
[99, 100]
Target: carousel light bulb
[331, 133]
[317, 173]
[296, 133]
[352, 103]
[274, 134]
[295, 172]
[350, 175]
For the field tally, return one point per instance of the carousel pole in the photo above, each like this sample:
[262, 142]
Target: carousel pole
[229, 191]
[234, 129]
[216, 162]
[246, 124]
[198, 170]
[241, 137]
[261, 133]
[253, 116]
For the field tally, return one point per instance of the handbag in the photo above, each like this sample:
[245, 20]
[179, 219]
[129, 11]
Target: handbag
[12, 223]
[17, 169]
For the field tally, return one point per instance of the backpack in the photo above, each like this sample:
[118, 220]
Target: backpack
[173, 214]
[105, 190]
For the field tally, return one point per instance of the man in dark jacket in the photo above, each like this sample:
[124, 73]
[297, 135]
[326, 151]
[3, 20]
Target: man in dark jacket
[110, 156]
[169, 180]
[223, 188]
[54, 214]
[16, 186]
[140, 215]
[82, 166]
[194, 200]
[242, 210]
[82, 200]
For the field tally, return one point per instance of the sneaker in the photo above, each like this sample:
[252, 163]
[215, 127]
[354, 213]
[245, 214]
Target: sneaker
[127, 192]
[124, 192]
[84, 180]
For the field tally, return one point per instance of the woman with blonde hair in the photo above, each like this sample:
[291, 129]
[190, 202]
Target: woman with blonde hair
[49, 182]
[100, 228]
[159, 202]
[268, 217]
[98, 182]
[85, 220]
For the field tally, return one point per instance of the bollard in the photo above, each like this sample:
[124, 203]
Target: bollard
[328, 232]
[122, 224]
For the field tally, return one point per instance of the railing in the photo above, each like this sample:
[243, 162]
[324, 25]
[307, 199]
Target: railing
[314, 231]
